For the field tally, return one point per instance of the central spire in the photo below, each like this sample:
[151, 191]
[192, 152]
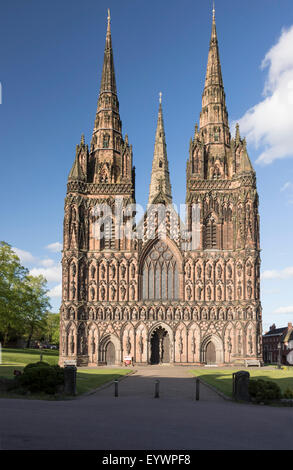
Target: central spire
[160, 186]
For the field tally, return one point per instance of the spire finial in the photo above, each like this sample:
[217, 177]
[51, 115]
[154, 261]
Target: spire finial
[160, 97]
[214, 11]
[109, 16]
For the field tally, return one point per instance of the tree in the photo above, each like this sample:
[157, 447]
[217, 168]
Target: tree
[52, 328]
[23, 299]
[12, 275]
[35, 305]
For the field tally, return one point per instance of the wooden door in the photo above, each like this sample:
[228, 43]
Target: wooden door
[110, 353]
[211, 353]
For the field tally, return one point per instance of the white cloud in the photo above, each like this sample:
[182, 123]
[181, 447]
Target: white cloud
[269, 123]
[56, 291]
[278, 274]
[54, 247]
[47, 262]
[52, 273]
[288, 309]
[24, 256]
[286, 186]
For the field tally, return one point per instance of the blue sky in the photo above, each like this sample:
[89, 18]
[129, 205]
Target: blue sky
[51, 61]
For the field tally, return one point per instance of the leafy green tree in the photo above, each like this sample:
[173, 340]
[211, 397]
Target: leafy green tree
[23, 298]
[34, 306]
[12, 275]
[52, 328]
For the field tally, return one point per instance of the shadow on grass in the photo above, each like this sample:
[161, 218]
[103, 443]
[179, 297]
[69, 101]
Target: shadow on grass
[224, 382]
[89, 381]
[86, 381]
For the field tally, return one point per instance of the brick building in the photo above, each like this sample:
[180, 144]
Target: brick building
[278, 345]
[173, 292]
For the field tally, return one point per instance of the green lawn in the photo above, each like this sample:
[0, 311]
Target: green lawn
[222, 378]
[87, 379]
[25, 356]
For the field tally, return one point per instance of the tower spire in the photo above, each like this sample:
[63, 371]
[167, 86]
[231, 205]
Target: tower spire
[160, 186]
[110, 155]
[214, 115]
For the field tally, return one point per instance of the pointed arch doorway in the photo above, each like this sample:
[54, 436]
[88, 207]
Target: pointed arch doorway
[160, 346]
[210, 353]
[212, 350]
[110, 353]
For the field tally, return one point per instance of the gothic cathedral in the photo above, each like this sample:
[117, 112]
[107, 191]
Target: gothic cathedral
[163, 290]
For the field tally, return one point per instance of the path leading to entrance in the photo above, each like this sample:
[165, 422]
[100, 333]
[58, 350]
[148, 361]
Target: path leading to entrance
[136, 420]
[176, 383]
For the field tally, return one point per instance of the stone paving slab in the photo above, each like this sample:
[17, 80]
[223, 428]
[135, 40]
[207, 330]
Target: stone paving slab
[175, 383]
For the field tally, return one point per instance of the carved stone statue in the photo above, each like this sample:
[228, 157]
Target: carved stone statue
[239, 269]
[92, 293]
[113, 270]
[239, 290]
[73, 290]
[249, 289]
[198, 271]
[229, 271]
[140, 344]
[93, 271]
[123, 271]
[132, 290]
[180, 345]
[229, 289]
[128, 346]
[103, 293]
[123, 292]
[239, 343]
[209, 271]
[209, 293]
[199, 291]
[113, 292]
[193, 345]
[103, 271]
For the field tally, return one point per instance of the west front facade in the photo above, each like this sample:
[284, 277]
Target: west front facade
[164, 291]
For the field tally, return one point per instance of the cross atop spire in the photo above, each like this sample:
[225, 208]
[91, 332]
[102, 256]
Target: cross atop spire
[160, 97]
[214, 11]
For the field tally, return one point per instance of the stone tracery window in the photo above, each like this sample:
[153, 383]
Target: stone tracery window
[210, 234]
[160, 274]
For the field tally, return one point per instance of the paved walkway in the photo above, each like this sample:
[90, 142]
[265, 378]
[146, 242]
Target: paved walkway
[136, 420]
[175, 383]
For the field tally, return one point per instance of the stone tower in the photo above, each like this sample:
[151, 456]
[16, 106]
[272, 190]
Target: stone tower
[225, 267]
[152, 291]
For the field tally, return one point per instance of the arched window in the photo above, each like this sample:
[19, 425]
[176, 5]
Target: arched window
[160, 274]
[106, 140]
[210, 234]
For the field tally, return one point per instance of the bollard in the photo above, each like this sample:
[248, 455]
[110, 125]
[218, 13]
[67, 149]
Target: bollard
[70, 380]
[157, 389]
[116, 388]
[197, 382]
